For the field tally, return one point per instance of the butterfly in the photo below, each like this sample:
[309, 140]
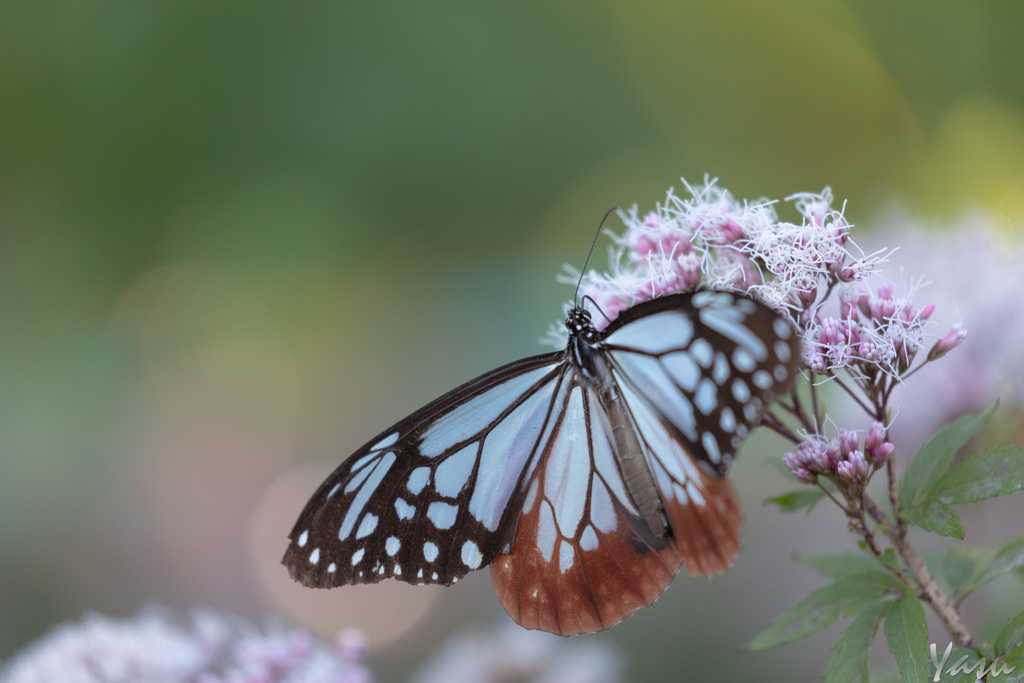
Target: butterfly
[584, 478]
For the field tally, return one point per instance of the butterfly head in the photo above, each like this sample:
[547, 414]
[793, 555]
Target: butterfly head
[579, 324]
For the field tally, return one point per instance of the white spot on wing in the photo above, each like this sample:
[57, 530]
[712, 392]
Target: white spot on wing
[706, 397]
[430, 552]
[331, 568]
[742, 359]
[566, 555]
[356, 508]
[702, 352]
[782, 328]
[546, 532]
[367, 526]
[710, 444]
[453, 474]
[418, 478]
[303, 537]
[314, 556]
[740, 391]
[680, 494]
[392, 545]
[403, 509]
[385, 442]
[588, 540]
[695, 494]
[471, 556]
[442, 515]
[762, 380]
[782, 351]
[727, 420]
[334, 489]
[357, 557]
[721, 372]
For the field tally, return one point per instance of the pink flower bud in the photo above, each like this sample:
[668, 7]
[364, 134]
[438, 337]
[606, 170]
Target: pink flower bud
[953, 339]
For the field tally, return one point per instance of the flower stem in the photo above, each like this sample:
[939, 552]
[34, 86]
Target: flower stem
[930, 591]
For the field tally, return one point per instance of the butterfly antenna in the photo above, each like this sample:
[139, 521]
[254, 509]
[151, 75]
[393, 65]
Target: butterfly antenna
[590, 253]
[587, 297]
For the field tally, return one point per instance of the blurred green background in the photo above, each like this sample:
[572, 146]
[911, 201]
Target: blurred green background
[240, 237]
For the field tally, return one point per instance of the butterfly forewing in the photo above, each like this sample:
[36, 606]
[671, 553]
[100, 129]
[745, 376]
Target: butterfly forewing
[424, 501]
[585, 478]
[708, 375]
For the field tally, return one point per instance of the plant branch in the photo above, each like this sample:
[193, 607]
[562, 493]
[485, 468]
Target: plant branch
[930, 591]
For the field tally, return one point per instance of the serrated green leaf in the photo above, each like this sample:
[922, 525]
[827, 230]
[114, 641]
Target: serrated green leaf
[797, 500]
[820, 609]
[997, 472]
[1012, 663]
[836, 565]
[934, 515]
[849, 662]
[958, 666]
[961, 567]
[933, 459]
[1008, 558]
[1011, 636]
[908, 637]
[967, 569]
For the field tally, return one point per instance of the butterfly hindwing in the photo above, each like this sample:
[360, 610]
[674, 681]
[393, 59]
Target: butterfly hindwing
[424, 502]
[583, 558]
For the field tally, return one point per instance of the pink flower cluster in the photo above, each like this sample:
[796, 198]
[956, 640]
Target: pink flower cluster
[842, 458]
[209, 648]
[713, 241]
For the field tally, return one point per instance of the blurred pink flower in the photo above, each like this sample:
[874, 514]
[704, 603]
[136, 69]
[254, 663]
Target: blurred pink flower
[207, 648]
[513, 654]
[977, 278]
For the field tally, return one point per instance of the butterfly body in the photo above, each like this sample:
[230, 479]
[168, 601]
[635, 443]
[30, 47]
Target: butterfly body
[585, 478]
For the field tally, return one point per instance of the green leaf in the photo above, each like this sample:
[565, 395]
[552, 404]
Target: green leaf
[797, 500]
[962, 665]
[849, 662]
[933, 459]
[908, 637]
[962, 566]
[935, 516]
[836, 565]
[1010, 643]
[1012, 663]
[889, 559]
[967, 569]
[997, 472]
[823, 606]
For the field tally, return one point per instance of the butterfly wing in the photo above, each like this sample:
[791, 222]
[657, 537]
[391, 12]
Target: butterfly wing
[584, 557]
[431, 498]
[696, 374]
